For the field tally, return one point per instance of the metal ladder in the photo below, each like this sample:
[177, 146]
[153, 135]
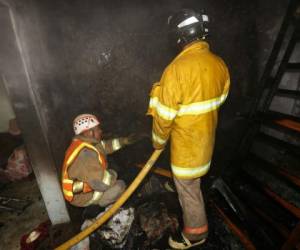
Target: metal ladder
[286, 48]
[276, 112]
[267, 164]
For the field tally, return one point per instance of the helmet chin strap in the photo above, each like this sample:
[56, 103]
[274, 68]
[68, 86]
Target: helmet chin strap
[90, 133]
[184, 42]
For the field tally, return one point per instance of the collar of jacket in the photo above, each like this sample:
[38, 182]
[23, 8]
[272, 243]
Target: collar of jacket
[198, 45]
[85, 139]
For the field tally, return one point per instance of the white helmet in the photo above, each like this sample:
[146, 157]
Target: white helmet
[84, 122]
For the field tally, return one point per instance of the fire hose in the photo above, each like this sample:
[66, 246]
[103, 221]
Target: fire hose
[114, 208]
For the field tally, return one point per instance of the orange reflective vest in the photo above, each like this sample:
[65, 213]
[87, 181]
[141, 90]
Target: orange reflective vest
[71, 154]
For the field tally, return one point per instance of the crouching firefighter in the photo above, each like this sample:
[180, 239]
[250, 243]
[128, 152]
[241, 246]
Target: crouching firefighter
[86, 179]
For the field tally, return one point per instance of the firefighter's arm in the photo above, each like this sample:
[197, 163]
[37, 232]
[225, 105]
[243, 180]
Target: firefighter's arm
[226, 84]
[113, 145]
[164, 105]
[86, 168]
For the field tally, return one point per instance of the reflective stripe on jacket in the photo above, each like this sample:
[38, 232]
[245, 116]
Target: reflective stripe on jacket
[70, 187]
[184, 106]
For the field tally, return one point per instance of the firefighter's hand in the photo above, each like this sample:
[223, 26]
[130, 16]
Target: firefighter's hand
[133, 138]
[114, 176]
[158, 146]
[98, 185]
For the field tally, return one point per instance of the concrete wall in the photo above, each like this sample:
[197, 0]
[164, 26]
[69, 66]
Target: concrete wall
[16, 74]
[103, 56]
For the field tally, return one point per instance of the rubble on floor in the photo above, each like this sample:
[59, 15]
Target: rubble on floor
[156, 221]
[16, 224]
[113, 233]
[151, 218]
[14, 162]
[157, 215]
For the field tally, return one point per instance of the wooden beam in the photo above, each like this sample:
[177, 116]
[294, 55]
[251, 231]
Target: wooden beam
[293, 240]
[289, 176]
[289, 124]
[235, 229]
[292, 208]
[283, 230]
[159, 171]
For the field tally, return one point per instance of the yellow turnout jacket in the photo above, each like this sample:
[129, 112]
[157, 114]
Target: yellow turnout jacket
[184, 106]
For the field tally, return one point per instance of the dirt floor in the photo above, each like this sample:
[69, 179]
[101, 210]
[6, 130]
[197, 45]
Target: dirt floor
[14, 225]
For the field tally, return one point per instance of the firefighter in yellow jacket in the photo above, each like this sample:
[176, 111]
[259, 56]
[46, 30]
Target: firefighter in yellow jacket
[184, 106]
[86, 179]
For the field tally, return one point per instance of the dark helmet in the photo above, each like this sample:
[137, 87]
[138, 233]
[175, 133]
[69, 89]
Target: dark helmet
[187, 26]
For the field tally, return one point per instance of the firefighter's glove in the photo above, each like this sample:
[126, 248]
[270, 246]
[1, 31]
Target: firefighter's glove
[158, 146]
[98, 185]
[133, 138]
[113, 177]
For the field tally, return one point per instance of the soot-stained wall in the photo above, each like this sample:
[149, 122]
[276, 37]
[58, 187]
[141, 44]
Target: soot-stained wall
[103, 56]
